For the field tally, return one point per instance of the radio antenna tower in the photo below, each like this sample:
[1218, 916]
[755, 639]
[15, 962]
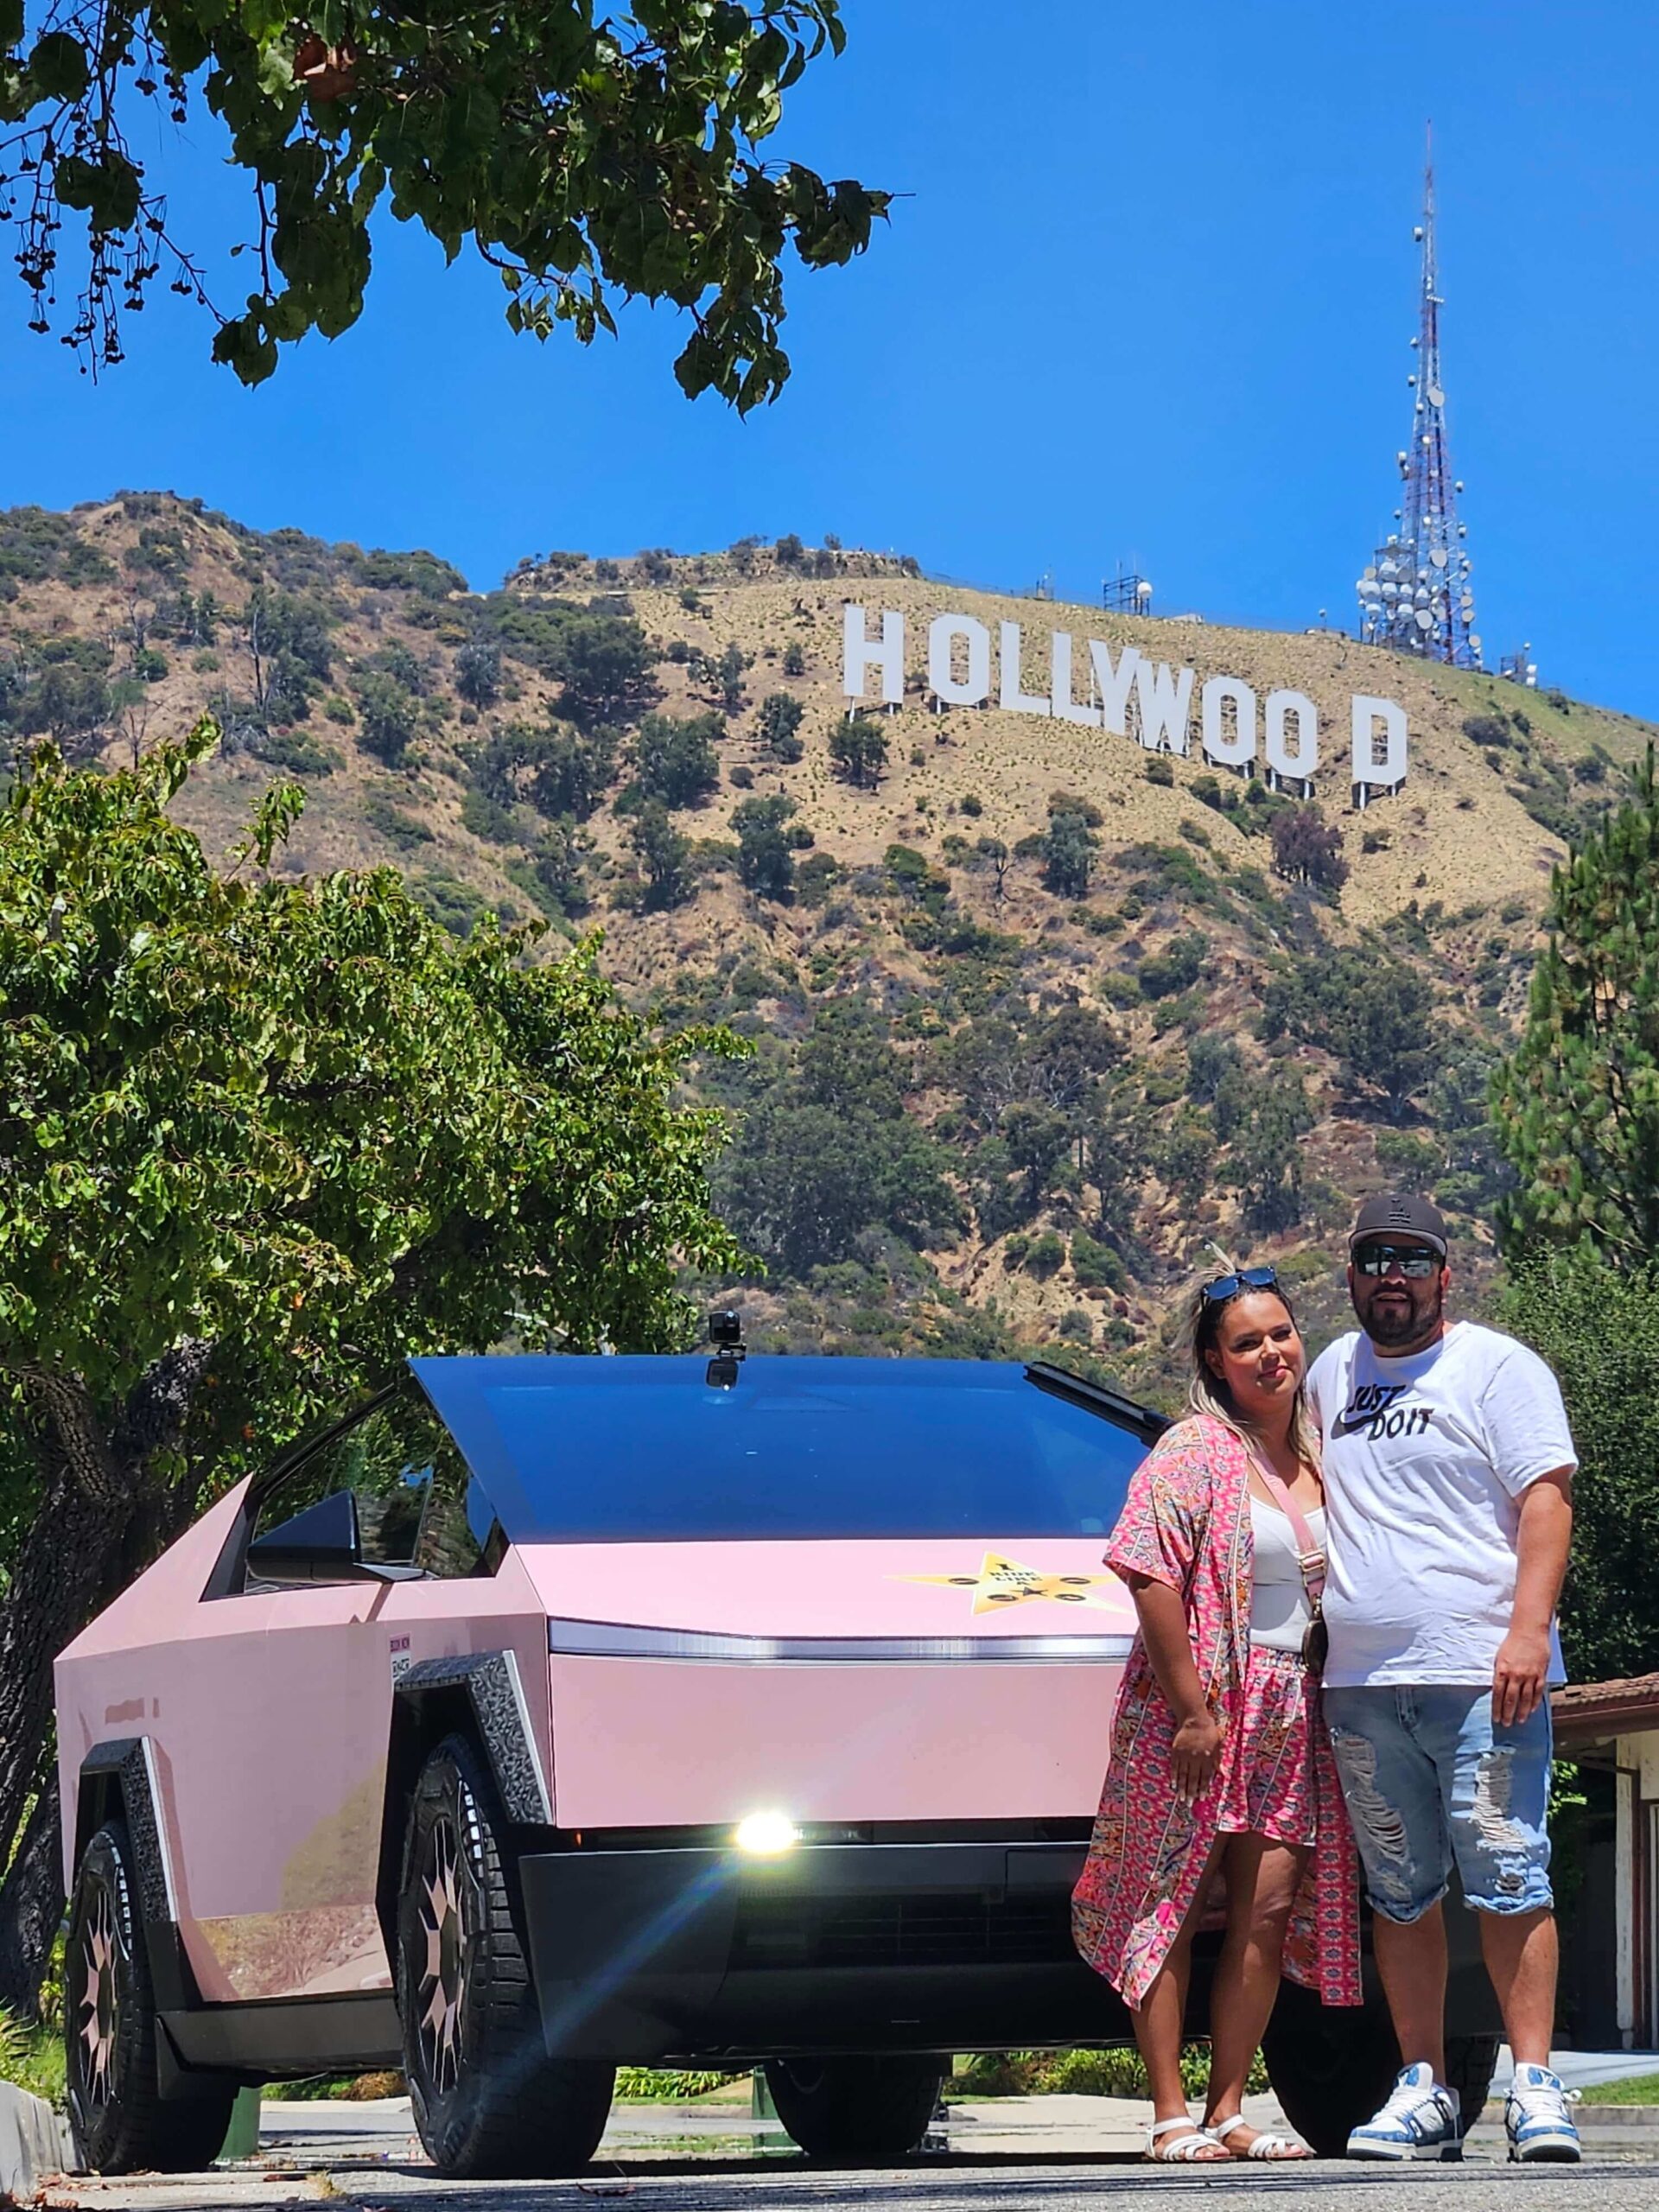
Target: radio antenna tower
[1415, 594]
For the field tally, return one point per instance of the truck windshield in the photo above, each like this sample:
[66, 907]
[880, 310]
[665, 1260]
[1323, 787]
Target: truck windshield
[616, 1450]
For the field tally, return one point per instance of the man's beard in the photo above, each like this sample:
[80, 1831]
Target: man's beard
[1390, 1326]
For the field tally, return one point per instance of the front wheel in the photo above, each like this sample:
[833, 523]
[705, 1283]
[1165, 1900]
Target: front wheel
[120, 2120]
[851, 2112]
[487, 2099]
[1331, 2065]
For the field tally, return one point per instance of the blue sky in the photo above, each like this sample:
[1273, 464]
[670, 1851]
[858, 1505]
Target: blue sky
[1150, 297]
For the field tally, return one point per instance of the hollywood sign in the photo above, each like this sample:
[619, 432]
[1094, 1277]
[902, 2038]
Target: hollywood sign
[1127, 695]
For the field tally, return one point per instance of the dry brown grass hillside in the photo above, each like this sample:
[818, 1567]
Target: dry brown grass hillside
[992, 1103]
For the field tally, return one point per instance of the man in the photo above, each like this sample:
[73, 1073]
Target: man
[1448, 1467]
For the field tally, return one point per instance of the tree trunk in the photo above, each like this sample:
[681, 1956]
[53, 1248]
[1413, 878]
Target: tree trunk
[59, 1578]
[31, 1906]
[102, 1517]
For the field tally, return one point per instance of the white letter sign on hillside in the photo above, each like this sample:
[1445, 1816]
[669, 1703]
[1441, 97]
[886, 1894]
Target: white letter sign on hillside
[942, 633]
[1130, 696]
[859, 654]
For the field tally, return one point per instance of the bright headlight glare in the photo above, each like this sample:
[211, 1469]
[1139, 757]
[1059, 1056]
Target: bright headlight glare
[765, 1834]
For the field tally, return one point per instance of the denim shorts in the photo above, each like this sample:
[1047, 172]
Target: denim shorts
[1427, 1779]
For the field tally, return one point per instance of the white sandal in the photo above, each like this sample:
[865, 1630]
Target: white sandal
[1191, 2149]
[1272, 2150]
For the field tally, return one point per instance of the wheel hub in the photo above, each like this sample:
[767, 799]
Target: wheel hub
[98, 2001]
[443, 1984]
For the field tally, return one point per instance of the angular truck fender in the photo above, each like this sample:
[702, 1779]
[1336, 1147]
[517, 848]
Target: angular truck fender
[482, 1692]
[121, 1776]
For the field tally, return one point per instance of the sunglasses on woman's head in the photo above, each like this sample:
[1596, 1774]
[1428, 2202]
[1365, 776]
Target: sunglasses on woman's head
[1411, 1260]
[1225, 1287]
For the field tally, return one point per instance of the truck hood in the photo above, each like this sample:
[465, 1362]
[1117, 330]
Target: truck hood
[969, 1592]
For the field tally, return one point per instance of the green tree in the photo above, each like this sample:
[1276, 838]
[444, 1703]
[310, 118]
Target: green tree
[676, 760]
[478, 672]
[778, 723]
[385, 715]
[70, 704]
[1069, 850]
[584, 156]
[804, 1183]
[766, 847]
[265, 1138]
[858, 750]
[558, 770]
[662, 853]
[1577, 1102]
[794, 661]
[1373, 1011]
[997, 857]
[1266, 1153]
[1597, 1324]
[1187, 1158]
[605, 661]
[1177, 967]
[728, 676]
[558, 866]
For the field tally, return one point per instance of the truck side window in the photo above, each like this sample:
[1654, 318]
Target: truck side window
[409, 1487]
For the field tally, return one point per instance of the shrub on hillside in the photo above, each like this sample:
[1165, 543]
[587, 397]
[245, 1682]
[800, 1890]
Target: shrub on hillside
[1177, 967]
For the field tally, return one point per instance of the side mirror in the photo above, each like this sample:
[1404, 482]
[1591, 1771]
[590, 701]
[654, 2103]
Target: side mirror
[320, 1544]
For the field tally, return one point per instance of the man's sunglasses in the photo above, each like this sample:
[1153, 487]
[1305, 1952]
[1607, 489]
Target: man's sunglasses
[1411, 1260]
[1225, 1287]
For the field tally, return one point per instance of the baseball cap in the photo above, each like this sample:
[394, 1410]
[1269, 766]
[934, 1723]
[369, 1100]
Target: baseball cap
[1399, 1213]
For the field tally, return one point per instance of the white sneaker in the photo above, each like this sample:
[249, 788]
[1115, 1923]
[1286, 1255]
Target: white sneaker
[1536, 2120]
[1420, 2120]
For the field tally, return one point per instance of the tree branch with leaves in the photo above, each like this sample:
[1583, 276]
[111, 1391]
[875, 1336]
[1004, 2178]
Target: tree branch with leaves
[261, 1140]
[586, 160]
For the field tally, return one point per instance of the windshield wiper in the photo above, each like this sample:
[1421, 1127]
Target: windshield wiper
[1111, 1405]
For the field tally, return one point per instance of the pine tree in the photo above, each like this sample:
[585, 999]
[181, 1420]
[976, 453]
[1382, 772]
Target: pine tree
[1577, 1105]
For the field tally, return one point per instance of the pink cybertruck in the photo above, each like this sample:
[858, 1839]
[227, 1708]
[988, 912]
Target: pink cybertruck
[551, 1713]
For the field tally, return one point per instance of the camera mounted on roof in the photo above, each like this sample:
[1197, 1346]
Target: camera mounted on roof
[725, 1334]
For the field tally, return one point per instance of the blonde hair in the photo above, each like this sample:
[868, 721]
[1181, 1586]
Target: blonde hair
[1207, 1394]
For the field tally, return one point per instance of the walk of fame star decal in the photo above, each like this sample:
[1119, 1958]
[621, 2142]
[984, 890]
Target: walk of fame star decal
[1002, 1582]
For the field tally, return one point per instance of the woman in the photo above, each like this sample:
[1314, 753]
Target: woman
[1218, 1761]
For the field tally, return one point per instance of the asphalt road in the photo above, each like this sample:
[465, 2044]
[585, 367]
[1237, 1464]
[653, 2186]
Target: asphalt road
[1039, 2154]
[952, 2183]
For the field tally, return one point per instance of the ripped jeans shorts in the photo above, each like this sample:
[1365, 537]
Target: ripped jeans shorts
[1427, 1779]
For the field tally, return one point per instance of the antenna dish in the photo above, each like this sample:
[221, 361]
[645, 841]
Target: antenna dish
[1417, 231]
[1438, 557]
[1436, 397]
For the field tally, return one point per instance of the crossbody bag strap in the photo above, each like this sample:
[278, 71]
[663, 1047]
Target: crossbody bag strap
[1310, 1553]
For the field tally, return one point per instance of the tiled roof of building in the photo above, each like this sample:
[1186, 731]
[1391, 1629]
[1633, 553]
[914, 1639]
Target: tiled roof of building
[1586, 1710]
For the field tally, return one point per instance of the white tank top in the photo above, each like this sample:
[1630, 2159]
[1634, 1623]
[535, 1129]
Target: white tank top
[1280, 1611]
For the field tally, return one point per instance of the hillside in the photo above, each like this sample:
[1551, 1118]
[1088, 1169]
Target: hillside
[1037, 1014]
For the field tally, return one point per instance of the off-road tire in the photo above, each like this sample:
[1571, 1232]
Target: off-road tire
[120, 2120]
[851, 2112]
[1331, 2065]
[487, 2101]
[1471, 2061]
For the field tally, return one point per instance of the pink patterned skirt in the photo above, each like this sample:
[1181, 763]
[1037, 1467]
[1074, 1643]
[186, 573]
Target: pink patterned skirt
[1271, 1788]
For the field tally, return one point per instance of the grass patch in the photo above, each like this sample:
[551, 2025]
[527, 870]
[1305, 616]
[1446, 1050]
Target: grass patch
[666, 2085]
[1114, 2073]
[33, 2058]
[1638, 2090]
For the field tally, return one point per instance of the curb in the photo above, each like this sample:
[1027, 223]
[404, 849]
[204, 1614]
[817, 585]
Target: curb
[34, 2142]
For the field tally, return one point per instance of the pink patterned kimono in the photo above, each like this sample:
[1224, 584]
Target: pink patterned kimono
[1186, 1521]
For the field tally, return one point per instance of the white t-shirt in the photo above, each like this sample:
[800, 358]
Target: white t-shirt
[1426, 1461]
